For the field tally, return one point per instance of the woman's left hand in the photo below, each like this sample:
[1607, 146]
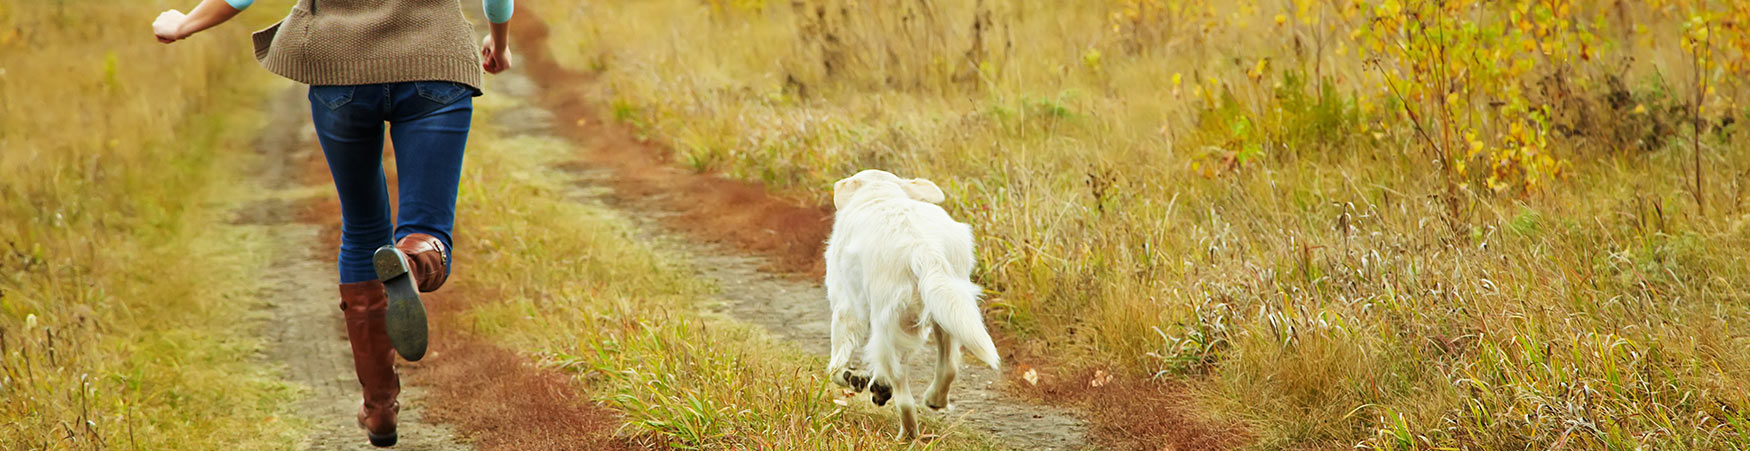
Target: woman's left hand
[168, 26]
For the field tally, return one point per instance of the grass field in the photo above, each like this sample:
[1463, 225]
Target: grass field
[120, 304]
[572, 288]
[1391, 224]
[1373, 223]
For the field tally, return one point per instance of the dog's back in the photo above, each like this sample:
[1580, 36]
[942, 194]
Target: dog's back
[910, 261]
[896, 264]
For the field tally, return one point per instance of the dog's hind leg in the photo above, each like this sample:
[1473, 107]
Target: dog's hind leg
[890, 381]
[947, 362]
[845, 338]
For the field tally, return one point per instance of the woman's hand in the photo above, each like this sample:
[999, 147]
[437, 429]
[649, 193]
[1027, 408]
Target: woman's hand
[168, 26]
[173, 25]
[494, 55]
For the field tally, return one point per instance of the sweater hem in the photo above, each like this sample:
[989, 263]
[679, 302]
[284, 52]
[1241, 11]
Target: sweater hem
[376, 70]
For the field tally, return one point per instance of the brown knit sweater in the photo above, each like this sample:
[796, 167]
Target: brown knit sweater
[354, 42]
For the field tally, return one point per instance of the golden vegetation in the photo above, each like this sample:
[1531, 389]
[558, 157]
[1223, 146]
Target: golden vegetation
[1393, 224]
[120, 305]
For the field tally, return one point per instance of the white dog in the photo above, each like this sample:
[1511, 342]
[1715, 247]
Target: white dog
[896, 267]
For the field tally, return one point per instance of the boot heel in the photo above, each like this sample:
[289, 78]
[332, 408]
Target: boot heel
[405, 317]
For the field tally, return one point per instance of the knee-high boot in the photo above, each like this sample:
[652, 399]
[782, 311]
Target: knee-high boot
[373, 358]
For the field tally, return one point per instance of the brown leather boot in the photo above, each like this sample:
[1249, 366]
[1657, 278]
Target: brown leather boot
[416, 264]
[427, 260]
[363, 304]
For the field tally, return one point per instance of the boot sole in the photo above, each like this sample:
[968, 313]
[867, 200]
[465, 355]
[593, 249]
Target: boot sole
[406, 315]
[382, 441]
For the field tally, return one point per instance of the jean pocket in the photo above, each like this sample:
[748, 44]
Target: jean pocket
[332, 97]
[442, 92]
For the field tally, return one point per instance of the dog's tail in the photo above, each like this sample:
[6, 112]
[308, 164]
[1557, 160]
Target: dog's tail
[952, 303]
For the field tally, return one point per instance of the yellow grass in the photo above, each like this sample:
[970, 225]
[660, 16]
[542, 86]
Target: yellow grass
[121, 307]
[1161, 187]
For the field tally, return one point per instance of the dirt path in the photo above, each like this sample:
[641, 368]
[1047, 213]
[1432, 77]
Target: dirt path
[797, 311]
[303, 324]
[630, 176]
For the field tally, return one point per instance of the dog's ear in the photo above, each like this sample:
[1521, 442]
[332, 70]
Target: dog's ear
[841, 191]
[923, 190]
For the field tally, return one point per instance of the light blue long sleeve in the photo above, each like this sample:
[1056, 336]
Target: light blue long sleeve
[499, 11]
[240, 4]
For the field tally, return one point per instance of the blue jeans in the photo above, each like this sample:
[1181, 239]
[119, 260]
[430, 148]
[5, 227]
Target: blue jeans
[428, 121]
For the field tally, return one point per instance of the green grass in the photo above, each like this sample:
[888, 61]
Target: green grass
[574, 288]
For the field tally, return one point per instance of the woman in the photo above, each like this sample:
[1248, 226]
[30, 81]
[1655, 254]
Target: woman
[409, 63]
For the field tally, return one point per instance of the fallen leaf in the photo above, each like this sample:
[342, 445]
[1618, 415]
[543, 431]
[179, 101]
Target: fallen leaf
[1101, 377]
[1031, 376]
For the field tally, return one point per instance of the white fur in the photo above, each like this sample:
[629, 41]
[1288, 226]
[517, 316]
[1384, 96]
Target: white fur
[898, 267]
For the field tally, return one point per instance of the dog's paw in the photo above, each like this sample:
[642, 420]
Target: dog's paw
[937, 404]
[880, 393]
[851, 379]
[857, 382]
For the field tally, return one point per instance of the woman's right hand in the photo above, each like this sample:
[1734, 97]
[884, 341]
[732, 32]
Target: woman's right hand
[168, 26]
[494, 54]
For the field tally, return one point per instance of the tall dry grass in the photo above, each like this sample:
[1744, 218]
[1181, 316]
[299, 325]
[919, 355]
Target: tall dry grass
[121, 305]
[1346, 223]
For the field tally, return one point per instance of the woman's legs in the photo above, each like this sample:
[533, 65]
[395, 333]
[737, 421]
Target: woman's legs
[429, 127]
[349, 124]
[429, 124]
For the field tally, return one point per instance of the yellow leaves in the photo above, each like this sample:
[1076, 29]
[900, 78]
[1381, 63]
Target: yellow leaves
[1389, 8]
[1257, 72]
[1281, 19]
[1303, 10]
